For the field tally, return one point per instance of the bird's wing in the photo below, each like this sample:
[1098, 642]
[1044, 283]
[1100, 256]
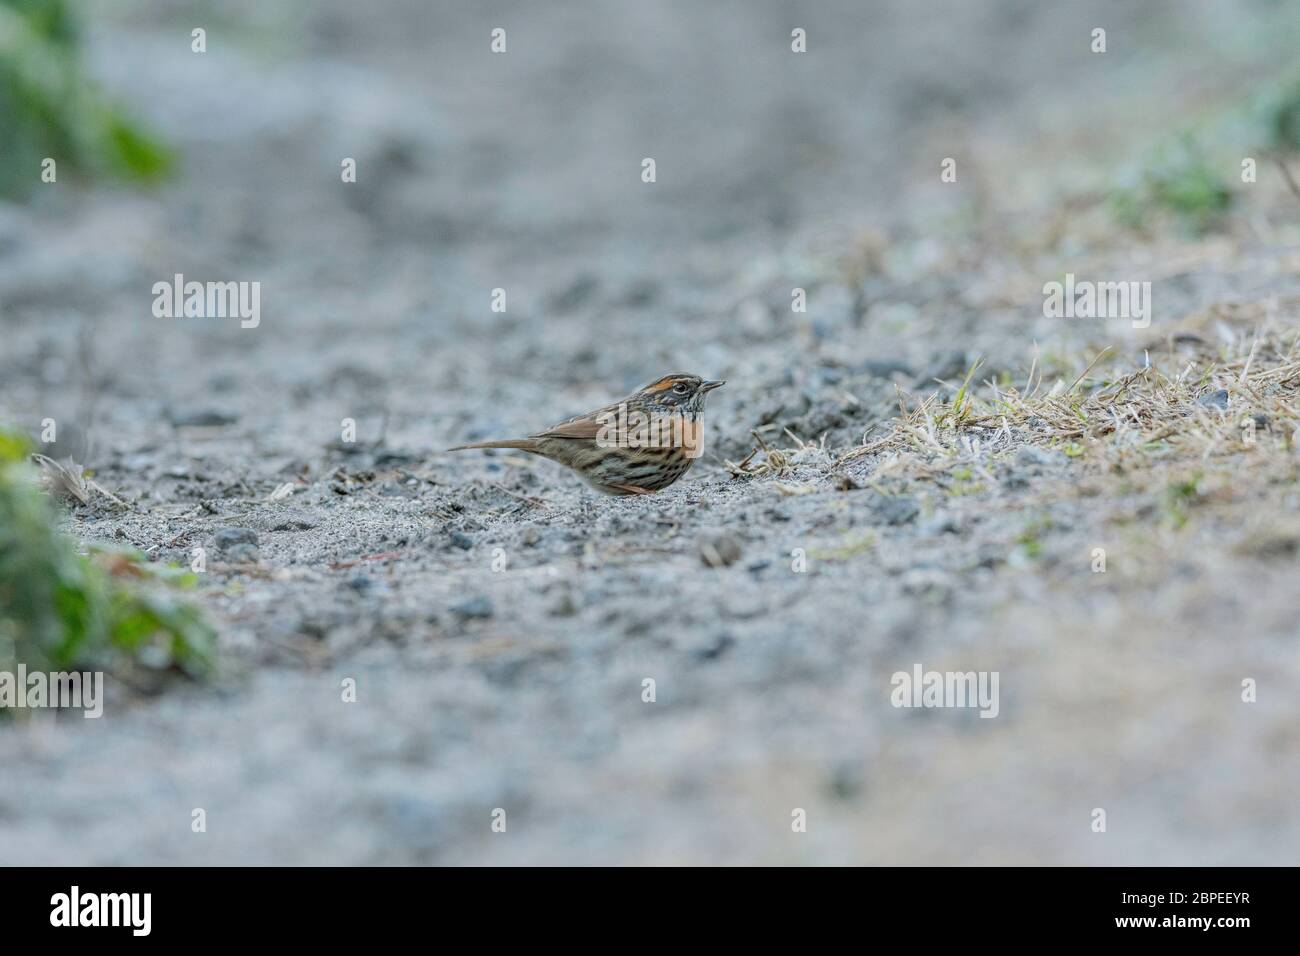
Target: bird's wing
[583, 426]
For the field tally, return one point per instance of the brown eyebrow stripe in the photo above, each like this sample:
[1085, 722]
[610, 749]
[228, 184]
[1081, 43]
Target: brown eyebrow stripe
[663, 383]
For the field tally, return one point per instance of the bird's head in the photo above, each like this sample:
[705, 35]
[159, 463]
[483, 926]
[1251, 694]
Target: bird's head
[677, 393]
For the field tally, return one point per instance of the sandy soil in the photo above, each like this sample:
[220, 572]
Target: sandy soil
[521, 687]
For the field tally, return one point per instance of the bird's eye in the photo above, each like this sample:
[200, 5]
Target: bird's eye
[681, 388]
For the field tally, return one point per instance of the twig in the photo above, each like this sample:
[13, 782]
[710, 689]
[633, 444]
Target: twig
[1084, 373]
[96, 486]
[527, 499]
[382, 556]
[1290, 180]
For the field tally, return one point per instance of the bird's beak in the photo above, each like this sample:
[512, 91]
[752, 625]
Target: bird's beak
[710, 386]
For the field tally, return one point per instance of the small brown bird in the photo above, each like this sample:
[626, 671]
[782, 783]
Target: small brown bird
[635, 446]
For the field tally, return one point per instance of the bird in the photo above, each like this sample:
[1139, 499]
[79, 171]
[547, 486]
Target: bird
[635, 446]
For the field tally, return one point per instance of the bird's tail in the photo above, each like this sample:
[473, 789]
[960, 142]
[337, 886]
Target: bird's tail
[525, 444]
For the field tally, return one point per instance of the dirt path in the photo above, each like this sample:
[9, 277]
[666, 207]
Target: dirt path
[522, 688]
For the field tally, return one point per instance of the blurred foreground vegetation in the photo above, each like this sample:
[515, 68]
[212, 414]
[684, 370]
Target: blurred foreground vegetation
[1192, 178]
[48, 109]
[61, 610]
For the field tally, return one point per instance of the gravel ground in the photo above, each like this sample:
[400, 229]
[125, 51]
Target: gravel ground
[499, 619]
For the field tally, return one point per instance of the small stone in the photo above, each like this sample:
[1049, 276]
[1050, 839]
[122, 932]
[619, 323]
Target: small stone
[242, 554]
[393, 489]
[640, 293]
[897, 509]
[712, 647]
[718, 551]
[461, 540]
[884, 368]
[845, 781]
[201, 418]
[396, 456]
[476, 608]
[563, 606]
[294, 521]
[287, 519]
[939, 523]
[1031, 456]
[577, 294]
[227, 538]
[1217, 400]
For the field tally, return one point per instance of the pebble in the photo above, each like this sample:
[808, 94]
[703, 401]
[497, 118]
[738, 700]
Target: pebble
[227, 538]
[202, 417]
[475, 608]
[242, 554]
[1218, 400]
[896, 509]
[713, 647]
[939, 523]
[562, 606]
[1031, 455]
[287, 519]
[719, 550]
[577, 294]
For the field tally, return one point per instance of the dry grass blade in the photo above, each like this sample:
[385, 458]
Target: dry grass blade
[68, 481]
[283, 491]
[1290, 180]
[861, 450]
[531, 500]
[1125, 412]
[1084, 373]
[62, 480]
[100, 489]
[791, 490]
[775, 461]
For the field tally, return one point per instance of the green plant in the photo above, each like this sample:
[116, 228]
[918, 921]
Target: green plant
[1280, 116]
[963, 482]
[1179, 497]
[49, 109]
[60, 609]
[1030, 539]
[1179, 179]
